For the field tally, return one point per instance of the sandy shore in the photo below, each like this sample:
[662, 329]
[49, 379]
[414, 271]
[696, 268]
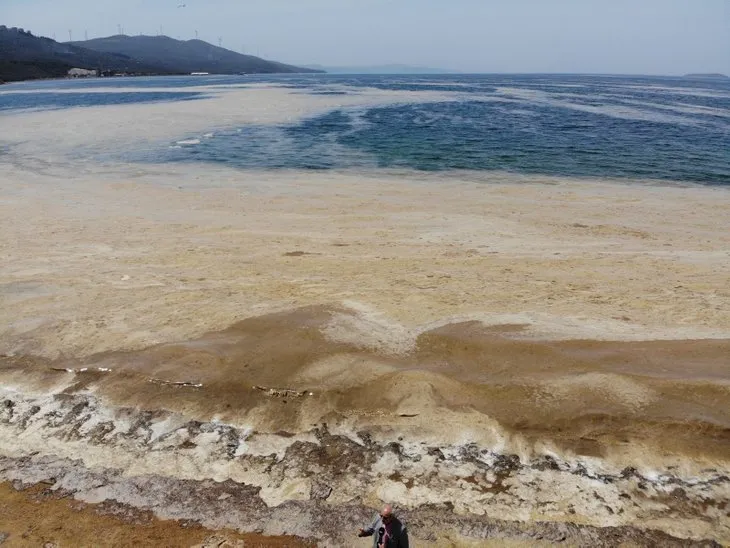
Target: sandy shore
[495, 348]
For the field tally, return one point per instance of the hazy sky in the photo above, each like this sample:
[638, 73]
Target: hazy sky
[595, 36]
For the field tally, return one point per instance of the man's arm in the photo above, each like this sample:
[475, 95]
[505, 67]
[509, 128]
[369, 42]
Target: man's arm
[369, 531]
[403, 540]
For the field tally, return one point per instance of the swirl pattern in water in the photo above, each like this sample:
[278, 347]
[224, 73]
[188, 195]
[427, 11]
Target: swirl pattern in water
[667, 129]
[672, 129]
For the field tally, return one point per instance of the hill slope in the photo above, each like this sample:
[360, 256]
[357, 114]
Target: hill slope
[24, 56]
[186, 56]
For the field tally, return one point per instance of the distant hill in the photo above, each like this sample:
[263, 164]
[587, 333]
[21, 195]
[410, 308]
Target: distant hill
[24, 56]
[712, 75]
[186, 56]
[384, 69]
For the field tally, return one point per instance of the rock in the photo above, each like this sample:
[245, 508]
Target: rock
[320, 491]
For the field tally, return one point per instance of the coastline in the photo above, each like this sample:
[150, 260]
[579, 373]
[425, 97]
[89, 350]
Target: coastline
[510, 358]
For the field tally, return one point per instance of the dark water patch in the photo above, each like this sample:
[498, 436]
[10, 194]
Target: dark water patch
[532, 138]
[328, 93]
[556, 141]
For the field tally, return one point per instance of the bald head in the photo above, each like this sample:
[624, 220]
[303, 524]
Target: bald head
[387, 513]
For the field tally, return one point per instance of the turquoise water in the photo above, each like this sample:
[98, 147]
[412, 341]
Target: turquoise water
[605, 126]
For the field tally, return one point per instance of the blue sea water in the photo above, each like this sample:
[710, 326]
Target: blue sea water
[52, 100]
[605, 126]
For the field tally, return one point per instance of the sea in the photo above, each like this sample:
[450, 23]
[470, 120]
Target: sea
[656, 128]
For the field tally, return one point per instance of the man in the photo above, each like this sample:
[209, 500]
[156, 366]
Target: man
[387, 530]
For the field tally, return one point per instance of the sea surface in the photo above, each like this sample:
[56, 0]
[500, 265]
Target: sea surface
[672, 129]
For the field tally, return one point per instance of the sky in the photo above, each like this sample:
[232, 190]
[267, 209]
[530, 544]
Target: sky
[670, 37]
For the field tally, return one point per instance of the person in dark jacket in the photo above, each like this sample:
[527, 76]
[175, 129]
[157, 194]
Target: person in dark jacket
[387, 530]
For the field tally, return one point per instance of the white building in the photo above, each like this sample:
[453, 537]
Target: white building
[82, 73]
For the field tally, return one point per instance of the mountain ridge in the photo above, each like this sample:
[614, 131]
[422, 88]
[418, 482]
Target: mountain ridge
[186, 56]
[24, 56]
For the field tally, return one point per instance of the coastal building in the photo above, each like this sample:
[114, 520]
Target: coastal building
[82, 73]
